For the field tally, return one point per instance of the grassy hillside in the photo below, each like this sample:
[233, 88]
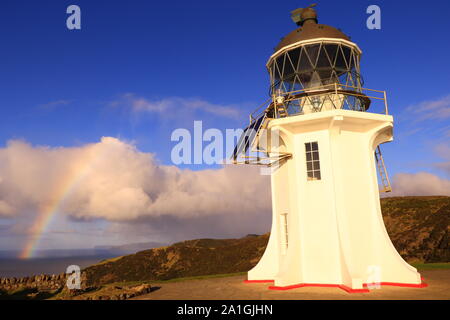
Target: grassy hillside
[418, 226]
[184, 259]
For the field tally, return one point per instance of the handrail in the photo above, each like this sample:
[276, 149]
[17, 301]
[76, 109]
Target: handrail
[264, 104]
[265, 109]
[336, 87]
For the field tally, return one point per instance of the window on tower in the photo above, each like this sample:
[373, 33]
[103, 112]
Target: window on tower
[312, 161]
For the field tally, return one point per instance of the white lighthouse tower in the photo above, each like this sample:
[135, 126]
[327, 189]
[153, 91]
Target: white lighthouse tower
[327, 227]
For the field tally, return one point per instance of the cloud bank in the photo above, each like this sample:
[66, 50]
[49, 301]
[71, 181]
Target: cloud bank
[424, 183]
[420, 184]
[113, 181]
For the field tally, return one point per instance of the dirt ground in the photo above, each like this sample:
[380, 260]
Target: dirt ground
[234, 288]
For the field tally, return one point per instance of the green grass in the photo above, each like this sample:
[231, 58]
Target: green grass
[419, 266]
[431, 266]
[107, 261]
[210, 276]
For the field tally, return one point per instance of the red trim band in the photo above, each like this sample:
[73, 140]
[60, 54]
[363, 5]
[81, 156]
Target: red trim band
[340, 286]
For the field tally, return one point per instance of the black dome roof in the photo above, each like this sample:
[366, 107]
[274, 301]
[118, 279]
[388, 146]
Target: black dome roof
[311, 30]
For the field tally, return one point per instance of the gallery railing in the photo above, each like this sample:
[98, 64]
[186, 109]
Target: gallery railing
[362, 99]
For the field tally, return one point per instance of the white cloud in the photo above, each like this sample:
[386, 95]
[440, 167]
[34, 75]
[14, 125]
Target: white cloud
[420, 184]
[438, 109]
[114, 181]
[175, 105]
[443, 150]
[54, 104]
[5, 209]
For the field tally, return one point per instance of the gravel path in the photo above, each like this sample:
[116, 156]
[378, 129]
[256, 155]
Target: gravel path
[233, 288]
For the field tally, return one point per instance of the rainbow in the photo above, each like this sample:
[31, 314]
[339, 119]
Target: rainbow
[76, 172]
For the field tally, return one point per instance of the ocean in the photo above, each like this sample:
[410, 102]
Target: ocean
[13, 267]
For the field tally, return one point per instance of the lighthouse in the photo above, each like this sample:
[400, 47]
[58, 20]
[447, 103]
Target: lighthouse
[327, 171]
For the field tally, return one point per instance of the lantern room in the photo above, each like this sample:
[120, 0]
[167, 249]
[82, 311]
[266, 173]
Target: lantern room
[315, 68]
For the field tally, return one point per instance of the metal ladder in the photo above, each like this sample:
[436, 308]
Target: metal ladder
[385, 183]
[282, 112]
[262, 126]
[256, 143]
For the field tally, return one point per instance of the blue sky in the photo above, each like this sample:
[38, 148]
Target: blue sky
[212, 50]
[63, 88]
